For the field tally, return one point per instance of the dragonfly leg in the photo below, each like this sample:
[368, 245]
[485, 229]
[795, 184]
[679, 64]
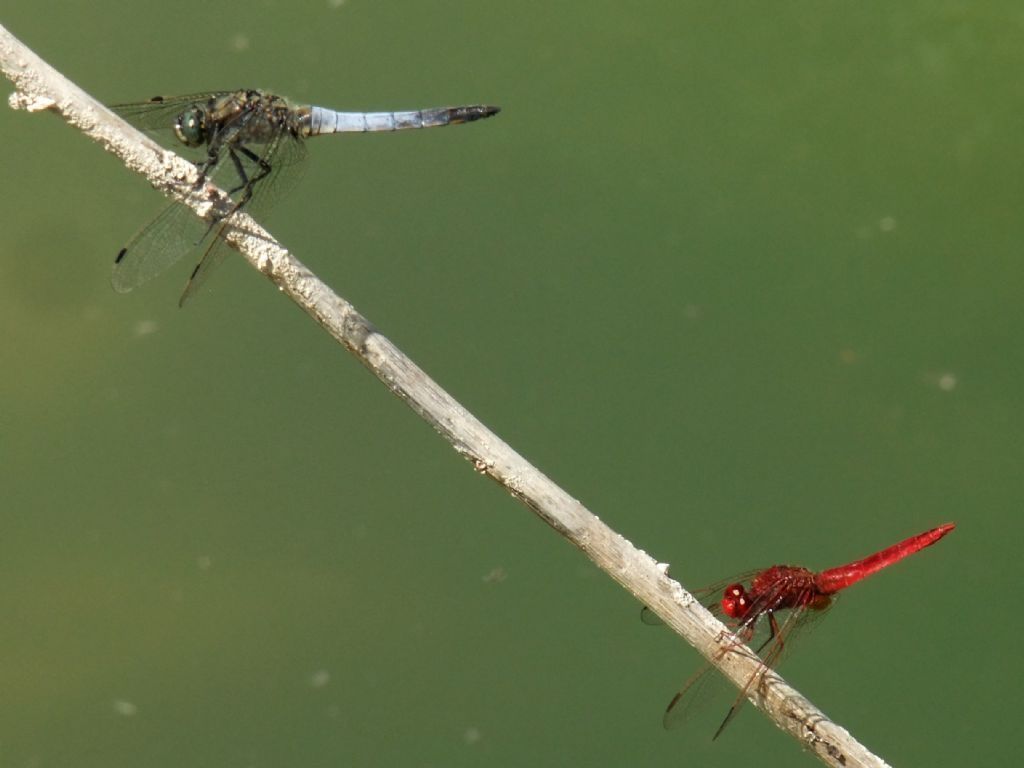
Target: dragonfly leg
[213, 151]
[247, 185]
[773, 631]
[207, 165]
[242, 175]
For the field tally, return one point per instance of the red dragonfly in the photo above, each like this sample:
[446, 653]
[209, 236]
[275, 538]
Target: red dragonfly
[781, 587]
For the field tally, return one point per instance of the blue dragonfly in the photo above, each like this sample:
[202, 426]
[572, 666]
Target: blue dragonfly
[260, 139]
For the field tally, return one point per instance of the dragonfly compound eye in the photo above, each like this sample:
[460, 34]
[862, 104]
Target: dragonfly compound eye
[190, 127]
[734, 601]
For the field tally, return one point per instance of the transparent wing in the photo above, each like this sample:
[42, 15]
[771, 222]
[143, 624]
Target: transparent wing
[267, 171]
[649, 617]
[214, 255]
[774, 647]
[157, 115]
[284, 156]
[765, 635]
[175, 231]
[705, 686]
[695, 696]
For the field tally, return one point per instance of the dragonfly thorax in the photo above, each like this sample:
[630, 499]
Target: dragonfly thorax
[773, 589]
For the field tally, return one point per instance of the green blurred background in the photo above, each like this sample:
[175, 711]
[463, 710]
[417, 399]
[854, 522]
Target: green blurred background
[745, 280]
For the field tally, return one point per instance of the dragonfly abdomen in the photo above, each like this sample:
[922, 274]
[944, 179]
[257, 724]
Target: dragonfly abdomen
[322, 120]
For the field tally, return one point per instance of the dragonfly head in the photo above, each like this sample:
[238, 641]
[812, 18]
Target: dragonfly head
[190, 127]
[735, 601]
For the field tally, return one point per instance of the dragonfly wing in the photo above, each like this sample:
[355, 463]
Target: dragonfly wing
[284, 155]
[696, 694]
[650, 618]
[213, 256]
[797, 624]
[703, 687]
[770, 637]
[777, 644]
[175, 231]
[156, 116]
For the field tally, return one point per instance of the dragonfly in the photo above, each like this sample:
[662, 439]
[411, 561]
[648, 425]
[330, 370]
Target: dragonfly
[254, 139]
[751, 602]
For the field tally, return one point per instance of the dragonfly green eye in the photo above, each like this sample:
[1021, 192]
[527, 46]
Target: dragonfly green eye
[190, 127]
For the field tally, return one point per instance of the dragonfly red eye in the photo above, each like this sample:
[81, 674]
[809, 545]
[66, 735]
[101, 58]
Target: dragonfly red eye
[734, 601]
